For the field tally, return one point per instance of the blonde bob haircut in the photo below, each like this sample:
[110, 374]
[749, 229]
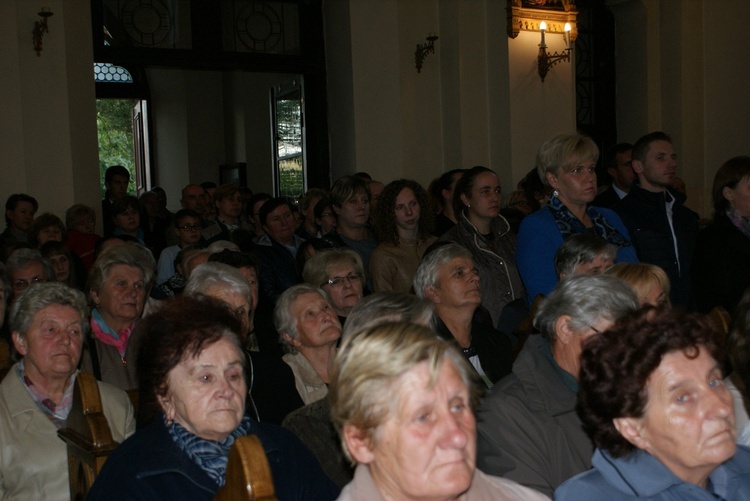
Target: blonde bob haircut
[319, 265]
[641, 277]
[563, 152]
[368, 364]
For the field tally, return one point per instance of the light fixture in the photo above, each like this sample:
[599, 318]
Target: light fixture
[423, 50]
[40, 28]
[545, 61]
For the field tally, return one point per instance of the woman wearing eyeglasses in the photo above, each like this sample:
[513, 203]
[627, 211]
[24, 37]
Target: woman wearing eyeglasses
[339, 273]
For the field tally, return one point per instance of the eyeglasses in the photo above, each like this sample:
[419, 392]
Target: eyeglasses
[351, 278]
[190, 227]
[21, 283]
[597, 331]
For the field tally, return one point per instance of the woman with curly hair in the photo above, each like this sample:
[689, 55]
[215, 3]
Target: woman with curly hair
[403, 225]
[652, 398]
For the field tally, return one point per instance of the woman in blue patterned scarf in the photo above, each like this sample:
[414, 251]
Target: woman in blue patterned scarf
[567, 164]
[192, 374]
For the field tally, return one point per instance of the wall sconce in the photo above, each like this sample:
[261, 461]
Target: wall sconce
[545, 61]
[423, 50]
[40, 28]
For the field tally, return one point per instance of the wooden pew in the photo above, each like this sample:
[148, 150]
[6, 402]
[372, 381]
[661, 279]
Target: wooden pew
[87, 435]
[248, 474]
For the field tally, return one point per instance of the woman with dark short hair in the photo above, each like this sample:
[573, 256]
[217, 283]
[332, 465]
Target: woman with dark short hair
[653, 400]
[195, 370]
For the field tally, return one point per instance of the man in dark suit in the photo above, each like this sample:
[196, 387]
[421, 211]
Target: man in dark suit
[662, 229]
[619, 167]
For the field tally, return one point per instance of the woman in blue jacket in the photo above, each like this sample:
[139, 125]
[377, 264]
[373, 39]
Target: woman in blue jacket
[652, 399]
[567, 164]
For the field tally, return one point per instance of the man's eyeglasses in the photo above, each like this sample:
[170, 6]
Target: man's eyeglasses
[351, 278]
[21, 283]
[190, 227]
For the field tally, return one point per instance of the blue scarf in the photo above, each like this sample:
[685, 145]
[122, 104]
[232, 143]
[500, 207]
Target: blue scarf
[569, 224]
[210, 456]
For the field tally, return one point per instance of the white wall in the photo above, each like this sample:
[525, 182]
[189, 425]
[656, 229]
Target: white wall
[477, 101]
[678, 71]
[48, 127]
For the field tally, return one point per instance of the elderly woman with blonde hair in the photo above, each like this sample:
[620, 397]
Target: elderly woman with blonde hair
[401, 399]
[340, 274]
[650, 282]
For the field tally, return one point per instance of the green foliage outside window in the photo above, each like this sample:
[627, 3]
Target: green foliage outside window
[115, 127]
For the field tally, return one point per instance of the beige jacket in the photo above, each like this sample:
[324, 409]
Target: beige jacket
[392, 267]
[309, 385]
[483, 488]
[33, 459]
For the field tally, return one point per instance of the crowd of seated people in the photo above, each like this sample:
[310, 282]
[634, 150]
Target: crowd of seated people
[267, 313]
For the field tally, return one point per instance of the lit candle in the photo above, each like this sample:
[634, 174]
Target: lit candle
[567, 35]
[542, 27]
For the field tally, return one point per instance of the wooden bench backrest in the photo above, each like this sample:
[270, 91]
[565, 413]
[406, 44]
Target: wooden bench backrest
[87, 435]
[248, 474]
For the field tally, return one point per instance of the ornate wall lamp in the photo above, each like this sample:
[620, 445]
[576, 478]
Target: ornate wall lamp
[40, 28]
[546, 16]
[545, 61]
[423, 49]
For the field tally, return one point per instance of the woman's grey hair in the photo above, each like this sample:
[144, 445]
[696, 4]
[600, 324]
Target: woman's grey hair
[585, 299]
[283, 319]
[385, 307]
[210, 275]
[427, 272]
[317, 268]
[129, 254]
[563, 152]
[370, 361]
[581, 249]
[39, 296]
[21, 258]
[221, 245]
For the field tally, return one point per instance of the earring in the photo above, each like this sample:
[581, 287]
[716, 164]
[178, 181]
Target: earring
[169, 423]
[468, 205]
[555, 193]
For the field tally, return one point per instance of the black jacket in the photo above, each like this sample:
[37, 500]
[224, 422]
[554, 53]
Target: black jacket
[645, 216]
[607, 198]
[721, 266]
[150, 465]
[492, 346]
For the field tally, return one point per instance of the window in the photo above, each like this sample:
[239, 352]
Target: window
[289, 137]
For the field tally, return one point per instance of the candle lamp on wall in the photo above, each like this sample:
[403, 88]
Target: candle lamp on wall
[423, 49]
[545, 60]
[40, 28]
